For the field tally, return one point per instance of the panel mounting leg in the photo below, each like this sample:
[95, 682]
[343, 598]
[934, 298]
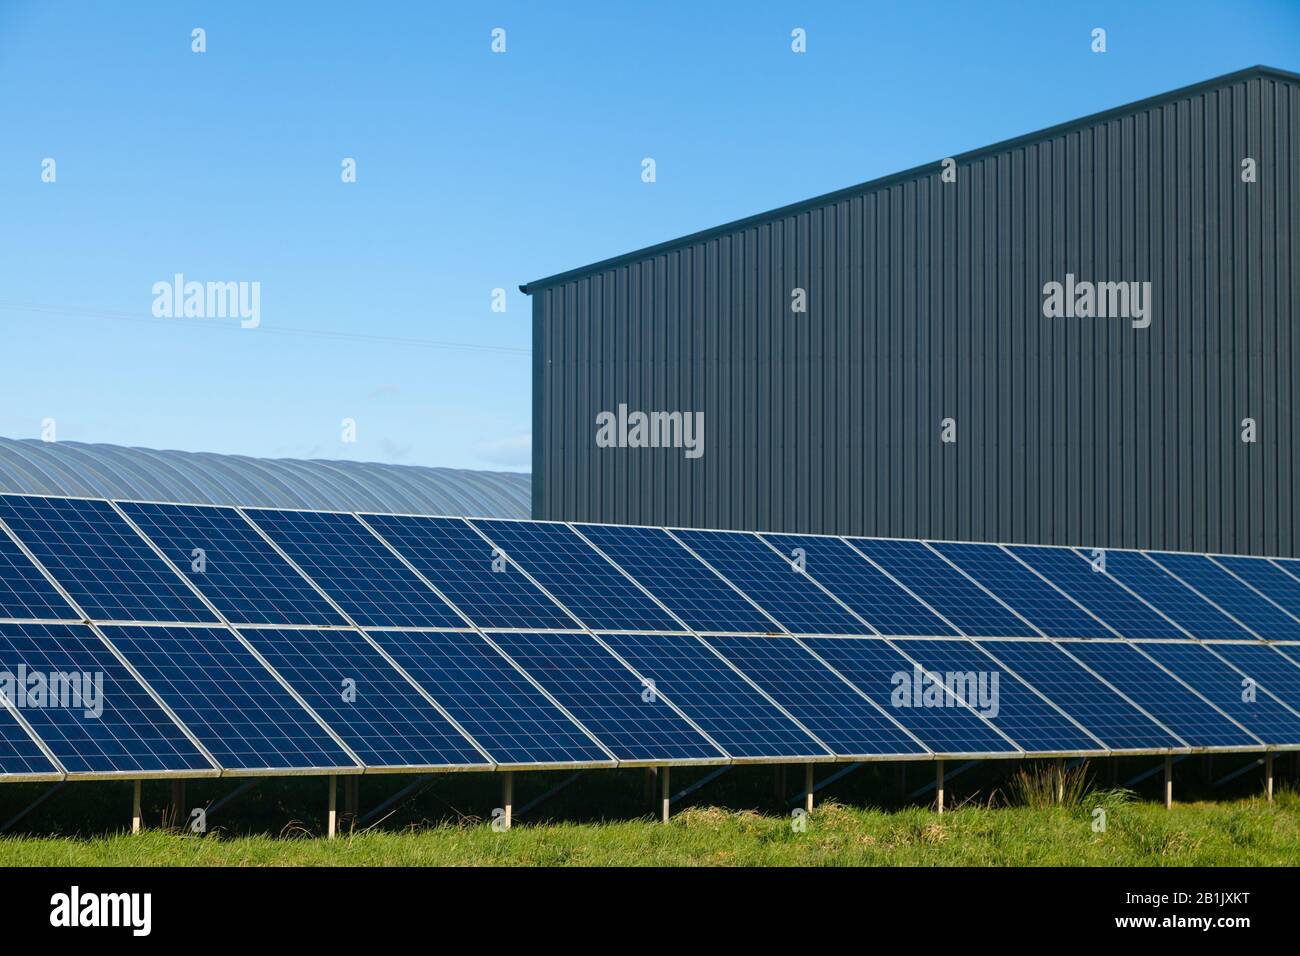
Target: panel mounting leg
[137, 818]
[808, 787]
[1059, 771]
[507, 798]
[1268, 776]
[665, 799]
[938, 786]
[332, 826]
[1169, 783]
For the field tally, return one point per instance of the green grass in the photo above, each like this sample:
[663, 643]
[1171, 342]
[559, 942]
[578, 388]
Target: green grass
[1246, 832]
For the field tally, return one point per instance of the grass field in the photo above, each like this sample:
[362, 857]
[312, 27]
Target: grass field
[1007, 824]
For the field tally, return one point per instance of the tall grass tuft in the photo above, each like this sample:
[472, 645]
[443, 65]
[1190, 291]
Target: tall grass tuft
[1050, 785]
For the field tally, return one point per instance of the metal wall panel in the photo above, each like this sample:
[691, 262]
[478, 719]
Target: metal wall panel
[925, 300]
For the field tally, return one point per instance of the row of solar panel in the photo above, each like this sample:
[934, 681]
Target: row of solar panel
[194, 564]
[139, 700]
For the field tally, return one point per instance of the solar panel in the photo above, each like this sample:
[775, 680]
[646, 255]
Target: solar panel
[593, 590]
[86, 707]
[1290, 651]
[862, 586]
[24, 591]
[1269, 668]
[673, 575]
[490, 591]
[356, 569]
[944, 588]
[830, 707]
[364, 699]
[1264, 618]
[1045, 607]
[230, 563]
[20, 757]
[1107, 715]
[1186, 714]
[772, 582]
[1266, 577]
[227, 699]
[1017, 711]
[109, 570]
[635, 723]
[1146, 578]
[731, 711]
[1095, 590]
[1222, 686]
[510, 718]
[942, 722]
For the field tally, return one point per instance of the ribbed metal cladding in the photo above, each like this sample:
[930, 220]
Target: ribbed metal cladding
[925, 301]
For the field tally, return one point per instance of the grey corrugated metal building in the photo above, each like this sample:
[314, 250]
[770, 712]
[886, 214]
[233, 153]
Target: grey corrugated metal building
[925, 302]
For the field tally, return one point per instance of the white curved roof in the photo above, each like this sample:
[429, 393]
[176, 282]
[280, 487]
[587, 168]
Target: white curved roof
[146, 474]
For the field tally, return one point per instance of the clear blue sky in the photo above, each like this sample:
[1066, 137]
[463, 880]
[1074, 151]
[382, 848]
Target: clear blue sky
[475, 171]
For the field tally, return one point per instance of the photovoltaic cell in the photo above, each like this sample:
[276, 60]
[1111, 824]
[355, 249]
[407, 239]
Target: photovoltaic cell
[1020, 713]
[729, 709]
[1146, 578]
[510, 718]
[1047, 608]
[595, 591]
[24, 591]
[1222, 686]
[772, 582]
[237, 570]
[943, 587]
[227, 699]
[1267, 620]
[373, 709]
[1106, 714]
[848, 723]
[356, 569]
[673, 575]
[1095, 590]
[107, 568]
[879, 671]
[861, 585]
[1168, 701]
[1266, 577]
[116, 727]
[19, 754]
[459, 562]
[609, 700]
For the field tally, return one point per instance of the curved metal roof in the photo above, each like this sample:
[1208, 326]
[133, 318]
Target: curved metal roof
[145, 474]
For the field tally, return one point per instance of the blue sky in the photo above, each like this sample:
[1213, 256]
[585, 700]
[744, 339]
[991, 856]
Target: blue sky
[475, 171]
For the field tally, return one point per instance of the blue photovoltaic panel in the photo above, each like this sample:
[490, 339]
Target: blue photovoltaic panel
[113, 725]
[1164, 698]
[240, 573]
[848, 723]
[1018, 712]
[459, 562]
[107, 568]
[1266, 577]
[1267, 620]
[879, 671]
[943, 587]
[227, 699]
[1096, 591]
[729, 709]
[19, 754]
[673, 575]
[1222, 686]
[510, 718]
[1106, 714]
[1262, 663]
[1290, 651]
[609, 700]
[595, 591]
[1043, 605]
[1144, 577]
[862, 586]
[356, 569]
[772, 582]
[24, 591]
[1291, 566]
[384, 720]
